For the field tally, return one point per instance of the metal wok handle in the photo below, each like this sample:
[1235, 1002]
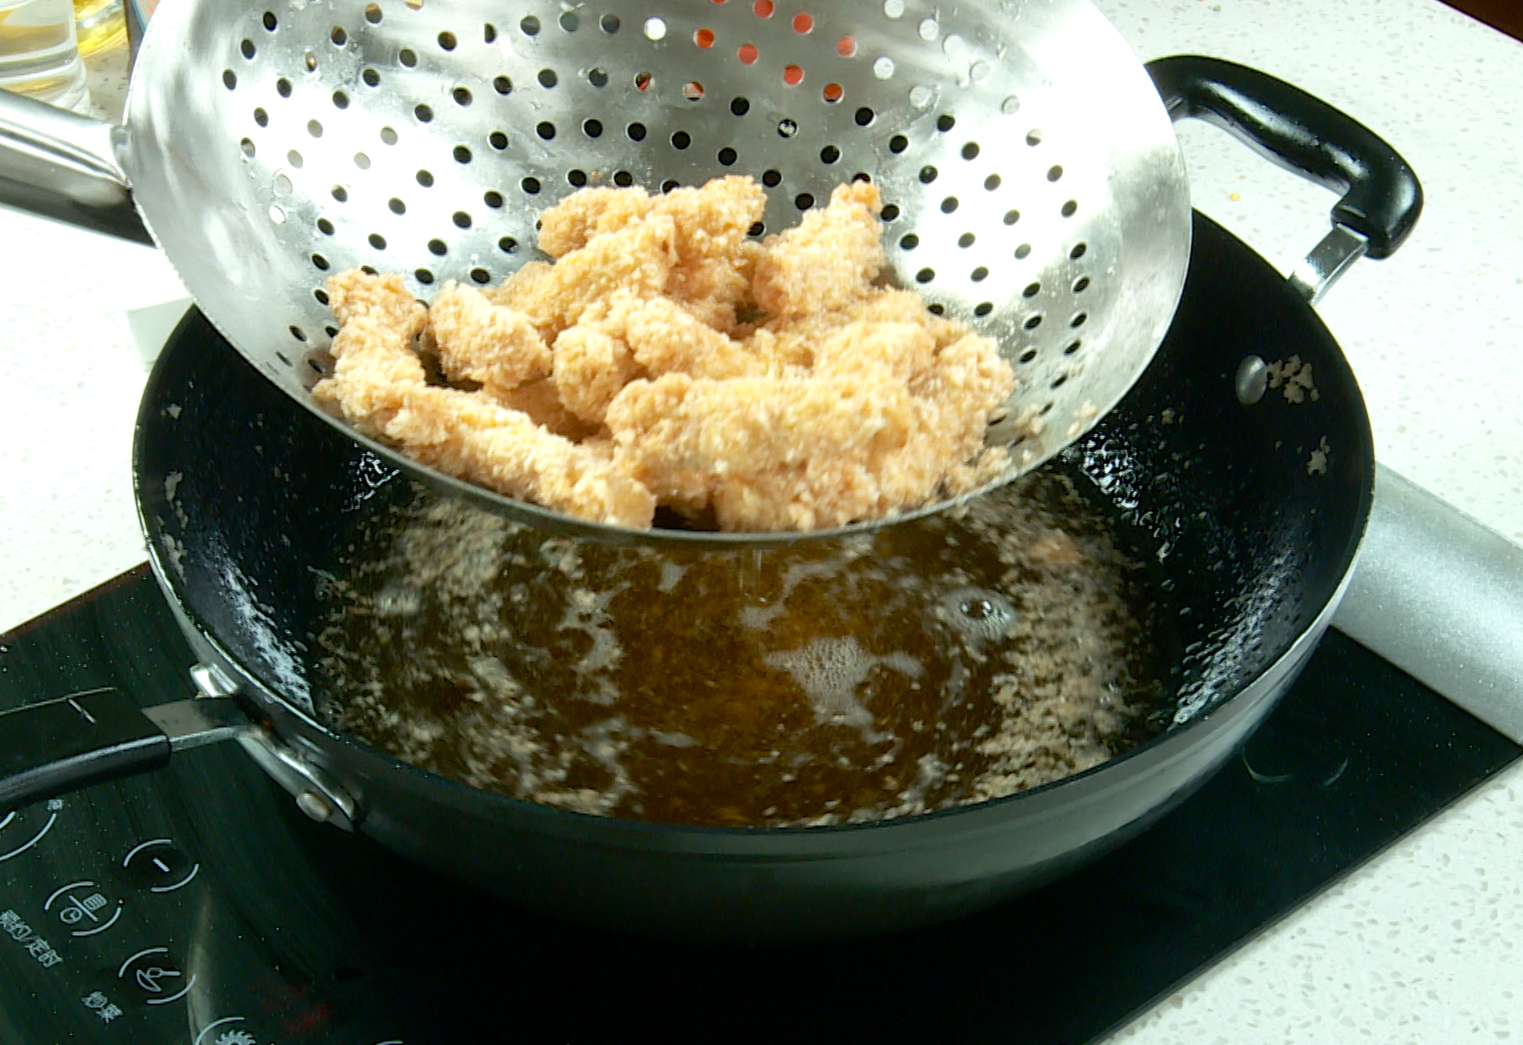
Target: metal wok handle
[63, 166]
[1380, 195]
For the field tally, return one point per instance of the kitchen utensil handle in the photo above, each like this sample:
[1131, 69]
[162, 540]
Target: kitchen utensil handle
[1381, 197]
[62, 165]
[85, 738]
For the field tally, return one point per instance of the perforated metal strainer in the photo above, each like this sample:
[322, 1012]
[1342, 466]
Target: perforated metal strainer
[1033, 183]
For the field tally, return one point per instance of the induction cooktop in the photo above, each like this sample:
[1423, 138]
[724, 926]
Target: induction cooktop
[197, 906]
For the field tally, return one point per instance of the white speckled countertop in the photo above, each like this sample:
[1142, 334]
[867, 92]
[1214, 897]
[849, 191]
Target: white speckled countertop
[1422, 945]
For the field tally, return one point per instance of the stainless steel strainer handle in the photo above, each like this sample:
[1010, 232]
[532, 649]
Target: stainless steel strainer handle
[62, 165]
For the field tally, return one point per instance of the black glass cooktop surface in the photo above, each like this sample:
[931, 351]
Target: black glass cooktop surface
[199, 906]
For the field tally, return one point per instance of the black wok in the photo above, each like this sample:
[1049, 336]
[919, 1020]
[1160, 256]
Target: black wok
[1254, 507]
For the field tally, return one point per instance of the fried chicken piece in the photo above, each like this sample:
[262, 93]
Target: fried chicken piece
[493, 344]
[637, 259]
[514, 291]
[575, 220]
[827, 261]
[666, 338]
[591, 367]
[542, 401]
[379, 383]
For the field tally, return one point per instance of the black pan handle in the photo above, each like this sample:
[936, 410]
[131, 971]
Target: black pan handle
[62, 745]
[1381, 197]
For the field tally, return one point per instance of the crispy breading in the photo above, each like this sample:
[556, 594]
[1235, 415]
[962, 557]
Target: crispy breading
[769, 386]
[479, 341]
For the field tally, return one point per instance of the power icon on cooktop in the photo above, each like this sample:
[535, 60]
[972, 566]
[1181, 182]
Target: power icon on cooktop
[159, 867]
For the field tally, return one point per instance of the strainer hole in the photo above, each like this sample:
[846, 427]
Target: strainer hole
[316, 369]
[1070, 208]
[1023, 251]
[936, 309]
[576, 178]
[833, 93]
[339, 193]
[462, 220]
[693, 91]
[570, 22]
[909, 241]
[945, 122]
[979, 274]
[1081, 284]
[1078, 251]
[480, 275]
[270, 21]
[502, 85]
[340, 100]
[309, 62]
[609, 23]
[261, 117]
[461, 95]
[388, 135]
[757, 229]
[437, 248]
[1054, 172]
[830, 154]
[546, 130]
[727, 156]
[921, 96]
[547, 78]
[949, 205]
[983, 309]
[529, 25]
[320, 261]
[898, 143]
[928, 174]
[966, 240]
[864, 116]
[362, 161]
[747, 54]
[787, 128]
[508, 245]
[247, 49]
[592, 128]
[229, 79]
[423, 276]
[763, 8]
[371, 77]
[331, 331]
[883, 67]
[425, 178]
[277, 214]
[530, 186]
[771, 179]
[408, 57]
[297, 333]
[283, 87]
[925, 275]
[325, 226]
[803, 24]
[1073, 347]
[423, 113]
[497, 140]
[793, 75]
[1012, 216]
[1032, 321]
[890, 212]
[893, 8]
[597, 77]
[1028, 355]
[447, 40]
[669, 185]
[321, 295]
[283, 358]
[315, 128]
[970, 151]
[489, 32]
[1034, 137]
[1060, 381]
[846, 47]
[740, 106]
[681, 140]
[623, 179]
[803, 201]
[1032, 290]
[396, 206]
[704, 38]
[929, 29]
[655, 28]
[636, 132]
[373, 14]
[1078, 320]
[282, 184]
[377, 240]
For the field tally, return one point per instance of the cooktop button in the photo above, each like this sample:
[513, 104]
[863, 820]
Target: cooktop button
[157, 979]
[159, 867]
[21, 829]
